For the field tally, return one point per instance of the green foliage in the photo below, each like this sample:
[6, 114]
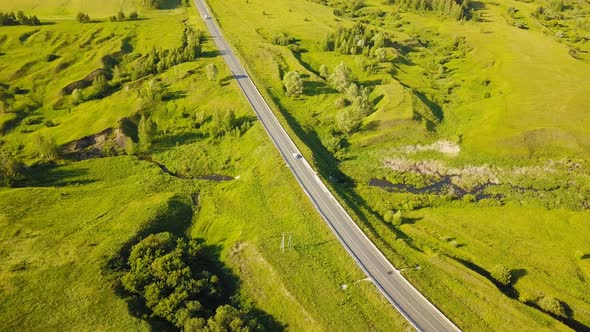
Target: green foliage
[83, 18]
[324, 73]
[133, 16]
[153, 91]
[99, 89]
[146, 132]
[341, 77]
[173, 277]
[212, 72]
[293, 84]
[19, 19]
[222, 123]
[552, 306]
[501, 274]
[10, 169]
[77, 97]
[170, 275]
[449, 8]
[348, 120]
[45, 148]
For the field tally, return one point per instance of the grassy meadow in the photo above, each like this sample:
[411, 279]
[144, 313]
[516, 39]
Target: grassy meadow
[64, 220]
[509, 100]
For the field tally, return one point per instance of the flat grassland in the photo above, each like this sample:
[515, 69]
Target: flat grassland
[479, 127]
[64, 220]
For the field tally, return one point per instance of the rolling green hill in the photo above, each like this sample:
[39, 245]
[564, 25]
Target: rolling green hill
[66, 219]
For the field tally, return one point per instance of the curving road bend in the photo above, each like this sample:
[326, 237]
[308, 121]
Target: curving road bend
[422, 314]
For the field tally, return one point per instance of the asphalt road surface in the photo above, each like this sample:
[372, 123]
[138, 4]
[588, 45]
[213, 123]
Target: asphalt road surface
[405, 298]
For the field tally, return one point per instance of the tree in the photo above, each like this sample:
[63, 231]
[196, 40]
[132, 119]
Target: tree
[324, 71]
[293, 83]
[553, 306]
[501, 274]
[153, 91]
[100, 87]
[352, 91]
[133, 16]
[212, 72]
[146, 131]
[341, 77]
[77, 96]
[121, 16]
[46, 148]
[9, 169]
[222, 123]
[83, 18]
[348, 120]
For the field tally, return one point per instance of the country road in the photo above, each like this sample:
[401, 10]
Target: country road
[422, 314]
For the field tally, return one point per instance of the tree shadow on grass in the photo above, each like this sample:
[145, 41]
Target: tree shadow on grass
[169, 141]
[343, 186]
[210, 54]
[51, 175]
[174, 95]
[315, 88]
[512, 293]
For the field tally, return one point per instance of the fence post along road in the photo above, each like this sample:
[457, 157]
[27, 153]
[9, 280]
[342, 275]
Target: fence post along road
[421, 314]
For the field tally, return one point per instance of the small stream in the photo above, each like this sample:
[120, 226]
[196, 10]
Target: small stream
[210, 177]
[442, 187]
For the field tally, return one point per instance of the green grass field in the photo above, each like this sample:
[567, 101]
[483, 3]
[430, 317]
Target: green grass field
[513, 100]
[63, 222]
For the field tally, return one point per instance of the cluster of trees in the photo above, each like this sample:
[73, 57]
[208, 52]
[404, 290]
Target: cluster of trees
[358, 39]
[18, 19]
[160, 4]
[159, 60]
[175, 279]
[83, 18]
[120, 17]
[457, 9]
[348, 120]
[99, 89]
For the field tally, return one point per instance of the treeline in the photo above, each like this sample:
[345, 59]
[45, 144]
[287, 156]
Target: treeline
[18, 19]
[120, 17]
[160, 4]
[457, 9]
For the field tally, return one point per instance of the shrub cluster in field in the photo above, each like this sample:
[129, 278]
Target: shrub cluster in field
[18, 19]
[159, 4]
[176, 279]
[450, 8]
[569, 22]
[120, 17]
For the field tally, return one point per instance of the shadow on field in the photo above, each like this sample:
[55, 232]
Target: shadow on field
[512, 293]
[328, 169]
[51, 175]
[314, 88]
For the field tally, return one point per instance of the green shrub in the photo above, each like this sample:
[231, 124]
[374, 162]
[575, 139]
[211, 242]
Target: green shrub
[552, 306]
[501, 274]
